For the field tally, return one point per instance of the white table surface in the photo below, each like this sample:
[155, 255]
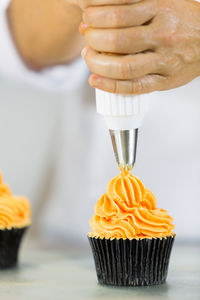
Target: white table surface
[47, 273]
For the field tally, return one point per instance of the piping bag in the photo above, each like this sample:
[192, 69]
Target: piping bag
[123, 115]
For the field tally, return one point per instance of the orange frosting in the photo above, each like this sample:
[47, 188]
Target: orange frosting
[14, 210]
[128, 210]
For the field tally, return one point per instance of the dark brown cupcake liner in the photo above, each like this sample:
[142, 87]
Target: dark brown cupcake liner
[9, 246]
[142, 262]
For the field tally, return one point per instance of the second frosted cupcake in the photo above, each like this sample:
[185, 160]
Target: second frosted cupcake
[14, 220]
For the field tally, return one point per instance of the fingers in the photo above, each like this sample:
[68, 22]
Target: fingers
[120, 16]
[123, 67]
[120, 28]
[143, 85]
[124, 40]
[86, 3]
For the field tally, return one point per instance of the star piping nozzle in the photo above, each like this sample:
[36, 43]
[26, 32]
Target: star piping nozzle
[123, 115]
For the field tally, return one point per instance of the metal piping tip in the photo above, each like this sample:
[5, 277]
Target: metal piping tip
[125, 146]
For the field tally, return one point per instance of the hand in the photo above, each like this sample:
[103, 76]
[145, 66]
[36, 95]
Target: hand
[155, 44]
[46, 32]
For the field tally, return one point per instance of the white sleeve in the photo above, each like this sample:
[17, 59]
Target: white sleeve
[62, 78]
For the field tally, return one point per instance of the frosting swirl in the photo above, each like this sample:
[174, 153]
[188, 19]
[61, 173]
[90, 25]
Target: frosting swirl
[15, 211]
[4, 188]
[128, 210]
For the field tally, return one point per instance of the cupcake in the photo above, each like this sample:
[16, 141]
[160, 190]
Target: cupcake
[14, 220]
[131, 239]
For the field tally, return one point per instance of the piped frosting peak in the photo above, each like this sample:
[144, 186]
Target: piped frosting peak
[128, 210]
[15, 211]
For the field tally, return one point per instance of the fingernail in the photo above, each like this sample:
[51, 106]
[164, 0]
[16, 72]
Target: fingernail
[84, 52]
[83, 28]
[94, 80]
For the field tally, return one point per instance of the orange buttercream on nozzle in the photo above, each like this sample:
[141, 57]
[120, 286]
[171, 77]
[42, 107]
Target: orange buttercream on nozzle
[15, 211]
[128, 210]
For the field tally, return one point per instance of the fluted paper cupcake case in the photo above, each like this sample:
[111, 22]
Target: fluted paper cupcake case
[142, 262]
[9, 246]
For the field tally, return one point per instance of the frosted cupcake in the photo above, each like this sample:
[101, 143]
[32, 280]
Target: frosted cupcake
[131, 238]
[14, 220]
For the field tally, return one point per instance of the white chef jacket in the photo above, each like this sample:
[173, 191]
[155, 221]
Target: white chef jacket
[168, 158]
